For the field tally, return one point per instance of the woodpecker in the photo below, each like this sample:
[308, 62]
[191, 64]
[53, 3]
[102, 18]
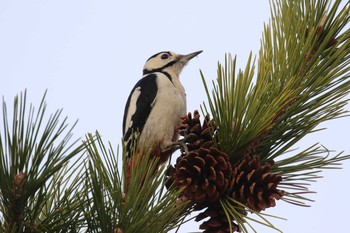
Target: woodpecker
[156, 104]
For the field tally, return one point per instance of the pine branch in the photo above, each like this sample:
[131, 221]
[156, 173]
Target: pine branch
[302, 80]
[34, 172]
[237, 163]
[146, 207]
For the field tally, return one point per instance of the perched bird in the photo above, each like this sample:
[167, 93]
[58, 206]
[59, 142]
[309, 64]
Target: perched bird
[155, 105]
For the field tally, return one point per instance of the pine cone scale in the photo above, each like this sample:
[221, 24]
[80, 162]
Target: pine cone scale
[255, 185]
[205, 174]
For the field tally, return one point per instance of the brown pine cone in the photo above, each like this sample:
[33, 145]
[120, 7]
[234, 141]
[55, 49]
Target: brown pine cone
[196, 135]
[204, 175]
[254, 185]
[217, 222]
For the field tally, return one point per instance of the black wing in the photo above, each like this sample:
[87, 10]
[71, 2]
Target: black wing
[147, 86]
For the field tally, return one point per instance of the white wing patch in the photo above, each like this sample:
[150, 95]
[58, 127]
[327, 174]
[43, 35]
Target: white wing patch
[132, 108]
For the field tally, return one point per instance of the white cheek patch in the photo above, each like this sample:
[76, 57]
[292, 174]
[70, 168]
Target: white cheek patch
[132, 107]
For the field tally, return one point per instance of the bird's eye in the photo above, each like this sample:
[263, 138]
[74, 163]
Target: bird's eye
[164, 56]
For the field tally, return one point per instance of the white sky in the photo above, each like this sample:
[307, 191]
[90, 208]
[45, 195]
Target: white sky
[89, 54]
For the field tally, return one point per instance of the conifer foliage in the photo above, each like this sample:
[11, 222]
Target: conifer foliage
[236, 158]
[302, 79]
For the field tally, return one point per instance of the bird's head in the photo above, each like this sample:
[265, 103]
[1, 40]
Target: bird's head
[168, 62]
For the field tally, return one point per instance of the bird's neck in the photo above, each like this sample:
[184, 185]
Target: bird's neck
[175, 80]
[171, 73]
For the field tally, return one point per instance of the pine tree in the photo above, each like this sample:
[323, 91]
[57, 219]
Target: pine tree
[236, 161]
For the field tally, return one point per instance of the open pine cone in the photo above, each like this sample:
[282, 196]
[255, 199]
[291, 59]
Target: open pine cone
[254, 185]
[217, 222]
[203, 174]
[196, 135]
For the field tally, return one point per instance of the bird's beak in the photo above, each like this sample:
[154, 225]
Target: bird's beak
[186, 58]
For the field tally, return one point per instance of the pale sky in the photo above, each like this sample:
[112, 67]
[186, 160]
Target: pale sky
[89, 54]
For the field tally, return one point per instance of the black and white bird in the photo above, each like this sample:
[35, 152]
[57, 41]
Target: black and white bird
[156, 104]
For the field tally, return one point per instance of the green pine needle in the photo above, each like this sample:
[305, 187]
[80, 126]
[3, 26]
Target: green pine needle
[301, 79]
[34, 156]
[234, 209]
[145, 207]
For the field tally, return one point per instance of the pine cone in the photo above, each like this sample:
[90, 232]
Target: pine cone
[196, 135]
[204, 175]
[217, 222]
[254, 185]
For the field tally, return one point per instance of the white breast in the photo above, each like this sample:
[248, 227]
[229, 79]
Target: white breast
[168, 107]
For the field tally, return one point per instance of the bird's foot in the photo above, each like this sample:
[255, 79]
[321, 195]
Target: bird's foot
[181, 144]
